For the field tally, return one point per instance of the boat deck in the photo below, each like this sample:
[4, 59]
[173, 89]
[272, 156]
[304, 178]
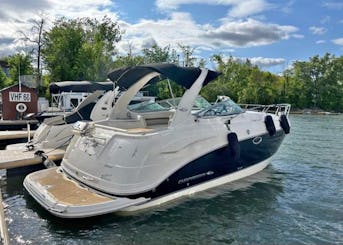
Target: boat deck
[67, 198]
[66, 191]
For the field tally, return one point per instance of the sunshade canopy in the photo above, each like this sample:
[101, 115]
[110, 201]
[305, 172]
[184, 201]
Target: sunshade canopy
[79, 86]
[185, 76]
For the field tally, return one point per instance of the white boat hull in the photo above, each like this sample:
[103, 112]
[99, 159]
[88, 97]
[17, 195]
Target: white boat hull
[65, 198]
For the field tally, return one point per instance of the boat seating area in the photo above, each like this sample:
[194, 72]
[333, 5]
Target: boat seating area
[144, 122]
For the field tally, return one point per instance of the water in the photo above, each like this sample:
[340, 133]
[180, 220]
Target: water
[298, 199]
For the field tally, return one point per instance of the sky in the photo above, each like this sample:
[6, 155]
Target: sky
[270, 33]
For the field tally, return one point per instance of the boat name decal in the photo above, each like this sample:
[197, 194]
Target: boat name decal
[181, 181]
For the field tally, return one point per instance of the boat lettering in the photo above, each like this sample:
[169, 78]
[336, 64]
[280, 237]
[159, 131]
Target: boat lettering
[181, 181]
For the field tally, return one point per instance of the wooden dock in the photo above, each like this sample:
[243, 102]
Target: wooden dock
[3, 226]
[17, 124]
[17, 134]
[18, 158]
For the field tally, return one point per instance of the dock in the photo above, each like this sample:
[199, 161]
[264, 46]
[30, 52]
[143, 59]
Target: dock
[16, 134]
[18, 158]
[3, 226]
[17, 124]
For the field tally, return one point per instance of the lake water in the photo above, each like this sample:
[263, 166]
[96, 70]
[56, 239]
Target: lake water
[298, 199]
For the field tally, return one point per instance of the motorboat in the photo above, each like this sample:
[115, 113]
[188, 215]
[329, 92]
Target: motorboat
[67, 95]
[130, 161]
[54, 134]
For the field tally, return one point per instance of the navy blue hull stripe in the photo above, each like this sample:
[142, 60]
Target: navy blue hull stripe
[218, 163]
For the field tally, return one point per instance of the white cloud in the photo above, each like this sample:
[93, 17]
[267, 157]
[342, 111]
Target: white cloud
[248, 33]
[320, 41]
[262, 61]
[17, 15]
[338, 41]
[298, 36]
[181, 28]
[325, 20]
[238, 8]
[334, 5]
[317, 30]
[178, 27]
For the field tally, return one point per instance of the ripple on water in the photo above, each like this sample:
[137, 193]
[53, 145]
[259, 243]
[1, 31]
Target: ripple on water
[296, 200]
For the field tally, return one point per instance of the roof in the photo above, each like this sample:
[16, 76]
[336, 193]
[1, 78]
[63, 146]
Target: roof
[15, 85]
[185, 76]
[79, 86]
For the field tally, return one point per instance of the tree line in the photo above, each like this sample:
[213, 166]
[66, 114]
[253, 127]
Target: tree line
[85, 49]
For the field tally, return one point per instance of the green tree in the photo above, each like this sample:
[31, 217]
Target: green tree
[317, 83]
[244, 83]
[4, 80]
[80, 49]
[20, 64]
[156, 54]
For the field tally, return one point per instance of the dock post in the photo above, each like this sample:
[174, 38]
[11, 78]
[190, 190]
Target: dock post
[28, 132]
[3, 227]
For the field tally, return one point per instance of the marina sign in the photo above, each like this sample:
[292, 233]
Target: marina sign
[19, 97]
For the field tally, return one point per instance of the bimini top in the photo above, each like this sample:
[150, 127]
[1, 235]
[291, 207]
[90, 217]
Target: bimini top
[79, 86]
[185, 76]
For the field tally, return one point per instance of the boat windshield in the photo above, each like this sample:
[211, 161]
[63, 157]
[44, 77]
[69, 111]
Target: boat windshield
[200, 103]
[146, 106]
[223, 108]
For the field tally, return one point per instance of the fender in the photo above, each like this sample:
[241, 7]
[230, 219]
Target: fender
[234, 146]
[285, 124]
[270, 126]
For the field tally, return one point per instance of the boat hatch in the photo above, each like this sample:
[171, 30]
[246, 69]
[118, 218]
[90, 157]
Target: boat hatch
[64, 197]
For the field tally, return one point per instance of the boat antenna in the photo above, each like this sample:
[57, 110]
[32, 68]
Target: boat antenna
[19, 76]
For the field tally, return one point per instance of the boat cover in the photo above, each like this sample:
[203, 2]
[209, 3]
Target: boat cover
[185, 76]
[79, 86]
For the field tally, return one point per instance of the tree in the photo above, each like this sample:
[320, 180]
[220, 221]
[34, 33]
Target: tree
[187, 52]
[4, 80]
[244, 83]
[80, 49]
[156, 54]
[20, 64]
[35, 37]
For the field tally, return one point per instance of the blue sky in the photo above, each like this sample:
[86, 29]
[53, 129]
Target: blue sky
[272, 34]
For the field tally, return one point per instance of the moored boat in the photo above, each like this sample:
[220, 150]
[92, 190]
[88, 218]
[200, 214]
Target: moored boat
[130, 162]
[50, 139]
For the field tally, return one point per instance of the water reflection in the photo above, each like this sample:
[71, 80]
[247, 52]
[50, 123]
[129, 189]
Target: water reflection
[206, 215]
[296, 200]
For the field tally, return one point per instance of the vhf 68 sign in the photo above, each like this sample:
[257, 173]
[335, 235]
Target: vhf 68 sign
[20, 97]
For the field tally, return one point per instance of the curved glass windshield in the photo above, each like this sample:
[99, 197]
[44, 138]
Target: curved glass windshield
[223, 108]
[200, 103]
[146, 106]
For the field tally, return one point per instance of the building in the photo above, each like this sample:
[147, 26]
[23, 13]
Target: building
[16, 102]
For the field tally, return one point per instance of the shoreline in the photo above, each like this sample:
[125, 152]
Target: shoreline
[313, 112]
